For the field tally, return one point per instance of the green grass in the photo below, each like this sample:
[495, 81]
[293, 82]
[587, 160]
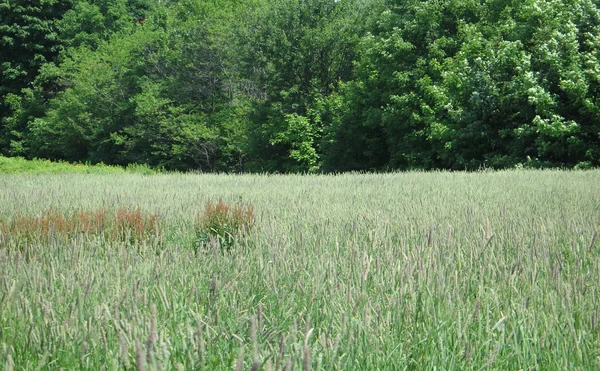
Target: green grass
[19, 165]
[421, 271]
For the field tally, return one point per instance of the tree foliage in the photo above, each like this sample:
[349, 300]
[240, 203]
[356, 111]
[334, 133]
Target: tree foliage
[302, 85]
[152, 97]
[470, 84]
[29, 39]
[297, 52]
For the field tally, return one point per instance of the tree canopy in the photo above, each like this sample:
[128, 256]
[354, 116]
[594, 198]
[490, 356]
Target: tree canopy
[302, 85]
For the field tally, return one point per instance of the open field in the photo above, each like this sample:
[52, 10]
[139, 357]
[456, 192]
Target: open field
[496, 270]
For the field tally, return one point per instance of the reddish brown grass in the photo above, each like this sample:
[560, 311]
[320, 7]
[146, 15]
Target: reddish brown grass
[224, 221]
[124, 224]
[135, 224]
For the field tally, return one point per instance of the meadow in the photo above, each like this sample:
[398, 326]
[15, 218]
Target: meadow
[415, 271]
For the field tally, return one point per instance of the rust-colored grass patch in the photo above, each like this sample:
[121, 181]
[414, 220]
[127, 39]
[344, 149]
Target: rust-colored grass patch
[122, 225]
[224, 222]
[134, 224]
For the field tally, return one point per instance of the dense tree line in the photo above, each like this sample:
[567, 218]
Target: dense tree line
[302, 85]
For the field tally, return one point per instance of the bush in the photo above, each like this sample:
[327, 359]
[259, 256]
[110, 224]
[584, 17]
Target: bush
[224, 223]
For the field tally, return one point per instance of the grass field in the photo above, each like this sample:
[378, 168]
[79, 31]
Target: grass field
[422, 271]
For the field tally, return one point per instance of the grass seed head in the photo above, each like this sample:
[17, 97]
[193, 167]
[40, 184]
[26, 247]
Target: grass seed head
[306, 358]
[139, 357]
[240, 360]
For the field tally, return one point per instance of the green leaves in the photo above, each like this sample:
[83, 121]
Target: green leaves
[156, 93]
[298, 52]
[302, 86]
[299, 134]
[28, 40]
[458, 82]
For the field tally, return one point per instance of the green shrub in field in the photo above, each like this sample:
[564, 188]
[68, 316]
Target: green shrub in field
[224, 223]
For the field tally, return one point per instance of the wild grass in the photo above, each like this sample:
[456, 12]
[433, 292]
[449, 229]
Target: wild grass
[123, 225]
[19, 165]
[463, 271]
[224, 223]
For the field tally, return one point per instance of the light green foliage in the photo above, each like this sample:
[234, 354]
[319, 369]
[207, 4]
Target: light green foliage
[446, 270]
[157, 94]
[19, 165]
[89, 22]
[469, 84]
[299, 135]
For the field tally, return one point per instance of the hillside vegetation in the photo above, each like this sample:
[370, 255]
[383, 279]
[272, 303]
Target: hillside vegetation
[302, 85]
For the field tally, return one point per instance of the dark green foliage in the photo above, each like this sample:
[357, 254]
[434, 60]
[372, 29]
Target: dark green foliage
[297, 53]
[49, 29]
[29, 38]
[300, 86]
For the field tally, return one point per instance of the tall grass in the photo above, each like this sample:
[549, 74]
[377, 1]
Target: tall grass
[494, 270]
